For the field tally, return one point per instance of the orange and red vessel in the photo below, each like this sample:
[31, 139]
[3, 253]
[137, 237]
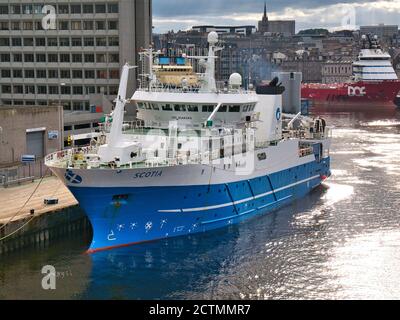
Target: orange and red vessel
[374, 82]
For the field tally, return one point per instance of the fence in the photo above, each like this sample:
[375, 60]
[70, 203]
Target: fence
[22, 173]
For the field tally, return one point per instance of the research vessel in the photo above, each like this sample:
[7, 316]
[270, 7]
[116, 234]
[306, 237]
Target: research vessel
[198, 158]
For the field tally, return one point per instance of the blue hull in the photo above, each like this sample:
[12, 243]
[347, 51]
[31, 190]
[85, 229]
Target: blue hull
[127, 216]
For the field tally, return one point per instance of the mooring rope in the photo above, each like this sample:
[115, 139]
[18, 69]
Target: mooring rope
[26, 202]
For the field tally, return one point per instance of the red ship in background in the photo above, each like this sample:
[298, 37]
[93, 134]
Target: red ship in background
[374, 82]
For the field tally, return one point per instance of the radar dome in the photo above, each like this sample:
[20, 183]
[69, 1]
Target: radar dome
[212, 37]
[235, 80]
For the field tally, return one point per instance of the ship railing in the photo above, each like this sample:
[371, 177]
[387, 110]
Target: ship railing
[171, 89]
[69, 156]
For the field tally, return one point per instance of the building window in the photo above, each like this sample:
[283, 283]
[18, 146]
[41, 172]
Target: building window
[64, 57]
[76, 25]
[113, 90]
[4, 9]
[113, 8]
[77, 90]
[87, 25]
[88, 42]
[76, 8]
[38, 25]
[64, 42]
[27, 9]
[89, 57]
[63, 9]
[114, 74]
[100, 25]
[6, 73]
[16, 42]
[37, 8]
[28, 42]
[100, 8]
[88, 8]
[65, 90]
[53, 89]
[101, 42]
[27, 25]
[53, 74]
[65, 74]
[17, 57]
[112, 25]
[41, 73]
[77, 74]
[101, 58]
[17, 73]
[90, 90]
[15, 25]
[5, 88]
[4, 25]
[77, 42]
[52, 57]
[4, 42]
[76, 58]
[113, 41]
[40, 57]
[89, 74]
[41, 89]
[18, 89]
[101, 74]
[29, 57]
[67, 106]
[40, 42]
[63, 25]
[30, 89]
[30, 74]
[52, 42]
[113, 57]
[15, 9]
[5, 57]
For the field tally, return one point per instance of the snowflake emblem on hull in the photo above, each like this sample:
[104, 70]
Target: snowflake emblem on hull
[133, 225]
[148, 226]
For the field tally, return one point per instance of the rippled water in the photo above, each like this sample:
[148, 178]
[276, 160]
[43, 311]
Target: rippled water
[340, 242]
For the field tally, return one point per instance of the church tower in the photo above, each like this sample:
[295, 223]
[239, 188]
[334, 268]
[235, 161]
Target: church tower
[263, 24]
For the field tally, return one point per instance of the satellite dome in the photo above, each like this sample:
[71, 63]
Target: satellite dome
[212, 37]
[235, 80]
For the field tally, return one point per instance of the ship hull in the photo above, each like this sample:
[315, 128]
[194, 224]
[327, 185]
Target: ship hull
[362, 93]
[123, 216]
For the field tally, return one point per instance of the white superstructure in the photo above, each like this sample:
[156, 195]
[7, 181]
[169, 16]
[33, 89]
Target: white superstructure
[373, 63]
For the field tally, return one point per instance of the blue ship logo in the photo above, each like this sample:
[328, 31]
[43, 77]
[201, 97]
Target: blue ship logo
[72, 177]
[278, 114]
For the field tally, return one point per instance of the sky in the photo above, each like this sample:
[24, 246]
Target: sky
[331, 14]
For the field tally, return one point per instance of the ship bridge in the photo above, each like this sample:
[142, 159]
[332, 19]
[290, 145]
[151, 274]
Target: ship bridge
[194, 109]
[373, 63]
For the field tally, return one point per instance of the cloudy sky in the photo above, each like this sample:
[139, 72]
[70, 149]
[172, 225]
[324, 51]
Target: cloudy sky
[331, 14]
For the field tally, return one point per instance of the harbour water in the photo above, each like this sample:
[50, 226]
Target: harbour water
[340, 242]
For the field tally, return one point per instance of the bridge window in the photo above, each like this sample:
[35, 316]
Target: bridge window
[140, 105]
[192, 108]
[223, 108]
[234, 108]
[167, 107]
[155, 106]
[208, 108]
[180, 107]
[148, 106]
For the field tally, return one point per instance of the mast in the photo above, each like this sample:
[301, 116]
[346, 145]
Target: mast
[118, 114]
